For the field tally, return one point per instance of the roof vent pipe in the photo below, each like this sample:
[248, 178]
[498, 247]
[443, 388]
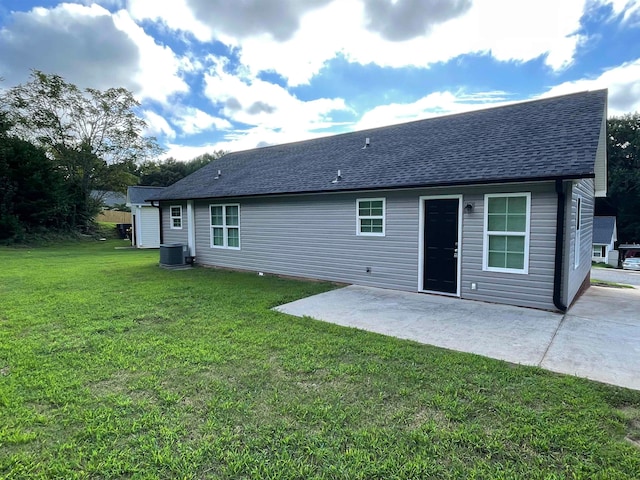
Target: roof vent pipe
[218, 175]
[366, 143]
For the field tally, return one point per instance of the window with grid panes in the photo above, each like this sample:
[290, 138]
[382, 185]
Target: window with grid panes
[225, 226]
[371, 216]
[176, 216]
[506, 239]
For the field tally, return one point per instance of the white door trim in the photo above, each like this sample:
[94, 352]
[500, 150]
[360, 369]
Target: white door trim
[191, 228]
[421, 243]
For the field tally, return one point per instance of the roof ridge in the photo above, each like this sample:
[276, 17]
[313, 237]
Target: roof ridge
[549, 138]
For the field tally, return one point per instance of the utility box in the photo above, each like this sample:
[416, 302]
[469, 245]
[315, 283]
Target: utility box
[123, 229]
[172, 254]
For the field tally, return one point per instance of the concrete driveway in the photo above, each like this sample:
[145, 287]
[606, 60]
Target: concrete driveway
[599, 338]
[616, 275]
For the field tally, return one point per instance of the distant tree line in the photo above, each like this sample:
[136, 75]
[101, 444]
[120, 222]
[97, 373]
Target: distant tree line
[59, 143]
[162, 173]
[624, 174]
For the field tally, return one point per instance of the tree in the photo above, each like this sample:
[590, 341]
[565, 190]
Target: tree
[169, 171]
[624, 174]
[33, 193]
[85, 132]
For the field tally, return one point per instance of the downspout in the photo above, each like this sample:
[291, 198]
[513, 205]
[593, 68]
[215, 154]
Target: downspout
[557, 273]
[153, 204]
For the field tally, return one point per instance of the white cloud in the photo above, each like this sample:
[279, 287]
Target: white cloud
[187, 152]
[523, 31]
[273, 114]
[508, 30]
[157, 125]
[193, 120]
[90, 46]
[622, 81]
[119, 4]
[175, 14]
[400, 20]
[627, 8]
[158, 66]
[77, 42]
[433, 105]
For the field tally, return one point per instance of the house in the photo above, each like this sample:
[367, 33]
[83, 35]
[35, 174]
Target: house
[604, 238]
[145, 218]
[493, 205]
[111, 203]
[108, 199]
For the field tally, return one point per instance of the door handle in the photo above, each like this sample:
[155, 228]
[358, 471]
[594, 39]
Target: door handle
[455, 253]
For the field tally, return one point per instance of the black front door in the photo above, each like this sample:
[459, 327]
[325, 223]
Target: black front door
[440, 273]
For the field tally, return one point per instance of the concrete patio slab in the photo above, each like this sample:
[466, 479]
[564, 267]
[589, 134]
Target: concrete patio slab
[599, 338]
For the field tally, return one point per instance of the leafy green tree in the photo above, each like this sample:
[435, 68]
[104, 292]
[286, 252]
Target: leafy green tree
[33, 192]
[166, 172]
[624, 174]
[87, 133]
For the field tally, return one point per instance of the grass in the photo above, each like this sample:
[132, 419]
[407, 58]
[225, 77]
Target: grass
[41, 237]
[113, 368]
[601, 265]
[107, 230]
[606, 283]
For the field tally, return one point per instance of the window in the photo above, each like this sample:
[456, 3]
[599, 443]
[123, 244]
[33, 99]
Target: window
[506, 232]
[370, 212]
[176, 216]
[578, 245]
[225, 226]
[599, 251]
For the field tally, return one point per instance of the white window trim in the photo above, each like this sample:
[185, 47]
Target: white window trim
[486, 234]
[577, 250]
[224, 226]
[384, 217]
[172, 217]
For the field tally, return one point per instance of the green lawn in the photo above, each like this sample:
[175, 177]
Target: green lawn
[111, 367]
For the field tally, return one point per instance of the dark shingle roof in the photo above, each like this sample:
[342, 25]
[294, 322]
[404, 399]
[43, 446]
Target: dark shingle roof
[603, 229]
[138, 195]
[549, 138]
[109, 198]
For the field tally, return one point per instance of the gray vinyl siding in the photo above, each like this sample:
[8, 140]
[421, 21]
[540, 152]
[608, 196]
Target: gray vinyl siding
[534, 289]
[576, 275]
[314, 236]
[172, 235]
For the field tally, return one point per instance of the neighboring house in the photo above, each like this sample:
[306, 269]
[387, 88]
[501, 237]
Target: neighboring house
[493, 205]
[604, 238]
[109, 199]
[145, 218]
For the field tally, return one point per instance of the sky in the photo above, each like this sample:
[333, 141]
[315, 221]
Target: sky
[239, 74]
